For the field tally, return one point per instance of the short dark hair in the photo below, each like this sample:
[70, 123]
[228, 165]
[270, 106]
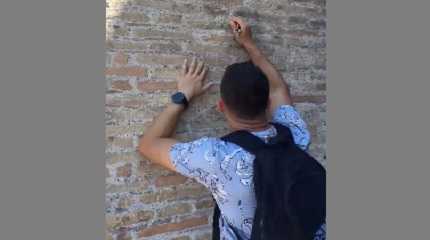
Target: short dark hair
[245, 90]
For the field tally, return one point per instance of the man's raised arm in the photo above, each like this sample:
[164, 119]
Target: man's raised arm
[279, 91]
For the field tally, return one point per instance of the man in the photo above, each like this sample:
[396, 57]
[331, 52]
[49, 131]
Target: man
[253, 94]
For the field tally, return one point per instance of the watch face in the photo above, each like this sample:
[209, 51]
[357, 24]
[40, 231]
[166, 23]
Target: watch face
[178, 98]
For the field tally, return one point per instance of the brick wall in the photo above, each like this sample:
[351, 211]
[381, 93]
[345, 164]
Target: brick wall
[146, 41]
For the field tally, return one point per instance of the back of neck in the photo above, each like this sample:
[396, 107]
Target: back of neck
[249, 125]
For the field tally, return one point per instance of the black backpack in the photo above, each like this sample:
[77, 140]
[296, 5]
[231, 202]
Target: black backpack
[289, 188]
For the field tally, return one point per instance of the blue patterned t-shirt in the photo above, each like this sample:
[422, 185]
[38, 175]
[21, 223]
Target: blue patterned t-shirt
[226, 170]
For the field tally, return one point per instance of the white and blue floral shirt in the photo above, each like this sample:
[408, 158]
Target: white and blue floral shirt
[226, 170]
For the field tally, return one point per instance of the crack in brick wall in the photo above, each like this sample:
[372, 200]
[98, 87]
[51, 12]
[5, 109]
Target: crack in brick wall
[146, 42]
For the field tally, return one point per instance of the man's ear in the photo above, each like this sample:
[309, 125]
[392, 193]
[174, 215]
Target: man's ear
[220, 106]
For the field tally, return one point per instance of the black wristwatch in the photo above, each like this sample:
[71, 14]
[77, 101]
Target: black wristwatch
[180, 98]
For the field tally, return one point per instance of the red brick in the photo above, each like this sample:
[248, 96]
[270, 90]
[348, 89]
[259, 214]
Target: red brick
[120, 59]
[147, 86]
[122, 85]
[144, 215]
[113, 102]
[136, 217]
[176, 179]
[126, 71]
[170, 227]
[132, 103]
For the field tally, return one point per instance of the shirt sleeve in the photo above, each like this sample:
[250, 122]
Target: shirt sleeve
[197, 159]
[289, 117]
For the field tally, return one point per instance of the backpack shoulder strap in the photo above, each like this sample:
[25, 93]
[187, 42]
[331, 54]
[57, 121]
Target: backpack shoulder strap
[283, 133]
[245, 140]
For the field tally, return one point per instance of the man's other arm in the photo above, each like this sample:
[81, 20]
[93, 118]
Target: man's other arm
[157, 141]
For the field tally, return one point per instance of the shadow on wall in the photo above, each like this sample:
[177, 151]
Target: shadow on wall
[146, 42]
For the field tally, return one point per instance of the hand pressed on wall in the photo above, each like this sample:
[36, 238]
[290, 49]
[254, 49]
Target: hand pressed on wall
[191, 78]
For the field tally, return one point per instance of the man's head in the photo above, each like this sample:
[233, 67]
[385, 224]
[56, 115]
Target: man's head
[244, 92]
